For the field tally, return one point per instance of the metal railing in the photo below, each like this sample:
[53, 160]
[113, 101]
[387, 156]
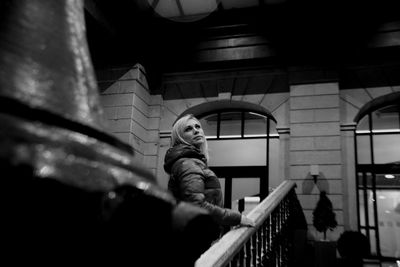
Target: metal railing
[269, 243]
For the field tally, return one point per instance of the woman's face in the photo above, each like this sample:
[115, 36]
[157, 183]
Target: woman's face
[193, 133]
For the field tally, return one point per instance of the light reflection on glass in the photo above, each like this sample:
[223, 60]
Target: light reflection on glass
[389, 222]
[378, 131]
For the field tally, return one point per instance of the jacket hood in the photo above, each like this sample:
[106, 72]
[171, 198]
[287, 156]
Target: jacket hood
[181, 151]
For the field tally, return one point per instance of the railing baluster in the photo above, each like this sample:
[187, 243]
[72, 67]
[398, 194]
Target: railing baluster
[266, 244]
[235, 261]
[262, 249]
[259, 246]
[275, 239]
[269, 234]
[242, 257]
[254, 250]
[279, 232]
[248, 254]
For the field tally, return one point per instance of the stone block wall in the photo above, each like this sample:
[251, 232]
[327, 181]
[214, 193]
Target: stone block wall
[133, 115]
[315, 139]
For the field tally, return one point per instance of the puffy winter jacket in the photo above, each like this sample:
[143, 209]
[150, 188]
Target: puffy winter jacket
[192, 181]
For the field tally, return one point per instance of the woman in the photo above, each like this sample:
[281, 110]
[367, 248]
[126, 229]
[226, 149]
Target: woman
[190, 178]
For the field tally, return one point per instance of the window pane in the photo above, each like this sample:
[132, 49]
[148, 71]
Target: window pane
[360, 179]
[371, 220]
[363, 231]
[372, 242]
[364, 180]
[388, 180]
[245, 187]
[222, 182]
[386, 118]
[386, 148]
[237, 152]
[275, 179]
[231, 124]
[389, 222]
[363, 124]
[209, 124]
[361, 207]
[369, 178]
[254, 125]
[363, 149]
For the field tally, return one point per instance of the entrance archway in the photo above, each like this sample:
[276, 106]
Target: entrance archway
[377, 143]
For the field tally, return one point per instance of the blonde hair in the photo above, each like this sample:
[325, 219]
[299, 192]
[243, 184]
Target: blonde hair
[177, 130]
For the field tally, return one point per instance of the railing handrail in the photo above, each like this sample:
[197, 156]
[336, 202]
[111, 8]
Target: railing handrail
[226, 248]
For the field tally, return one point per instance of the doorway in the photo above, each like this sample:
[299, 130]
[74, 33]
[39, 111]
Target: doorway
[378, 189]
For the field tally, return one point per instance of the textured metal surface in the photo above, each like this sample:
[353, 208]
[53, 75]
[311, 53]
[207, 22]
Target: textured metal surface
[72, 158]
[49, 99]
[45, 61]
[73, 193]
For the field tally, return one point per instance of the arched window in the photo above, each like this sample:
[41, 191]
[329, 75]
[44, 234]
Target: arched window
[244, 151]
[378, 178]
[238, 124]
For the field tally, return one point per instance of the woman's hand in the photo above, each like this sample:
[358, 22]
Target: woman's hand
[245, 221]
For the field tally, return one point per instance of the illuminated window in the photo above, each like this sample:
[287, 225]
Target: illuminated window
[238, 125]
[377, 142]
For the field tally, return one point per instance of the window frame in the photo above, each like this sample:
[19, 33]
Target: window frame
[242, 124]
[373, 169]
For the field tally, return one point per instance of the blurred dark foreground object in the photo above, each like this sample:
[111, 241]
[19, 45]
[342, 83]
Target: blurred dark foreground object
[48, 223]
[353, 246]
[73, 194]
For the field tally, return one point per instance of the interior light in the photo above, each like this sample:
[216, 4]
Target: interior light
[379, 131]
[362, 131]
[255, 135]
[386, 131]
[389, 176]
[252, 199]
[230, 136]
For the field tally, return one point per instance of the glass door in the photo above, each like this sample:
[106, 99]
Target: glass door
[379, 207]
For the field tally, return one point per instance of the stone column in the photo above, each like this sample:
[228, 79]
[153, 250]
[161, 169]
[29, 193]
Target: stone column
[315, 140]
[134, 115]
